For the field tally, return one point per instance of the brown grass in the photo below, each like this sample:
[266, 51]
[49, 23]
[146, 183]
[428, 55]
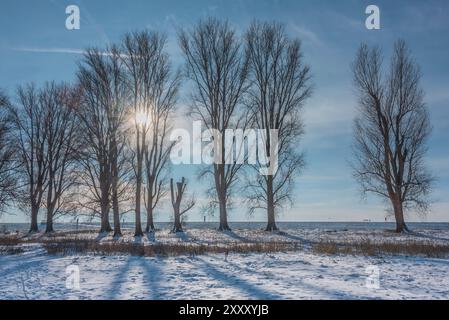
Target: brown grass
[67, 243]
[71, 233]
[370, 248]
[9, 241]
[67, 247]
[8, 245]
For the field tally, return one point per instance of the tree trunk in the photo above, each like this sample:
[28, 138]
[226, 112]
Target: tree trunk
[399, 216]
[220, 185]
[150, 222]
[49, 226]
[138, 229]
[271, 225]
[34, 212]
[177, 226]
[50, 206]
[223, 212]
[105, 225]
[116, 213]
[115, 205]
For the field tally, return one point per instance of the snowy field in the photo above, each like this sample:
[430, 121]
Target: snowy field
[302, 274]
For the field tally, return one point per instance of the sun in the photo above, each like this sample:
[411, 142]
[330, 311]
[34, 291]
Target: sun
[142, 118]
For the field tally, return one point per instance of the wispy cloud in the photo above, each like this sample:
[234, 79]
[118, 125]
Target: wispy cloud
[50, 50]
[61, 51]
[306, 34]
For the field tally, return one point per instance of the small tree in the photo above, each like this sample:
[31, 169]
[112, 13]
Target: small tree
[391, 131]
[176, 199]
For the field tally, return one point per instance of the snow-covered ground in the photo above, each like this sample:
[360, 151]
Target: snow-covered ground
[302, 274]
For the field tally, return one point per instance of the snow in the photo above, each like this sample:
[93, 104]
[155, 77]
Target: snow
[302, 274]
[303, 236]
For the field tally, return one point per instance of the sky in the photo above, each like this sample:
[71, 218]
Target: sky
[35, 46]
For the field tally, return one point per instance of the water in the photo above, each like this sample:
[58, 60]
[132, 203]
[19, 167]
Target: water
[247, 225]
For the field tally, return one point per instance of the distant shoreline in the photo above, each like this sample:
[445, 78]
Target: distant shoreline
[253, 225]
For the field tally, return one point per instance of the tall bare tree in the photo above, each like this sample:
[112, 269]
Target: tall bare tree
[217, 67]
[102, 118]
[61, 147]
[154, 90]
[30, 137]
[176, 195]
[8, 150]
[280, 86]
[391, 130]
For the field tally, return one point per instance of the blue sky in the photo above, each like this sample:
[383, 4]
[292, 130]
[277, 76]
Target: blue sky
[35, 46]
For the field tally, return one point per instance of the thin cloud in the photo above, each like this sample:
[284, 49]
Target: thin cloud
[51, 50]
[306, 34]
[62, 51]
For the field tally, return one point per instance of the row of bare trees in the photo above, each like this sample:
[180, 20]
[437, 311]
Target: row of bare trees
[129, 94]
[43, 133]
[261, 84]
[103, 144]
[99, 145]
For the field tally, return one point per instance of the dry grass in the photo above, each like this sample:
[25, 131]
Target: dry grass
[9, 245]
[67, 247]
[370, 248]
[71, 233]
[9, 241]
[78, 242]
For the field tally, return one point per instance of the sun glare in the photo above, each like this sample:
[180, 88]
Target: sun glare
[142, 118]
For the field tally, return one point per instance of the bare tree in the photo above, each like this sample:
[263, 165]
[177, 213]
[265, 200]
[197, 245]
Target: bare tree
[154, 90]
[7, 153]
[391, 130]
[216, 65]
[176, 200]
[61, 147]
[30, 137]
[280, 87]
[102, 117]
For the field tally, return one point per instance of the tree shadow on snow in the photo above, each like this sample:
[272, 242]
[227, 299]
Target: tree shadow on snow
[182, 235]
[296, 238]
[101, 236]
[235, 236]
[152, 270]
[119, 280]
[137, 240]
[236, 282]
[32, 262]
[151, 236]
[298, 284]
[330, 293]
[426, 236]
